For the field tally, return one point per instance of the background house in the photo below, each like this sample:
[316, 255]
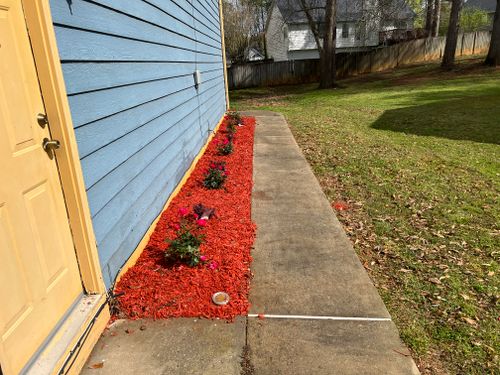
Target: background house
[101, 116]
[359, 22]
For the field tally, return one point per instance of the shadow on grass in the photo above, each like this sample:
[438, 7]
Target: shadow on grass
[269, 92]
[453, 115]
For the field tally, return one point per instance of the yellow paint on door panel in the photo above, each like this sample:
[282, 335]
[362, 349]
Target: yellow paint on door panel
[39, 277]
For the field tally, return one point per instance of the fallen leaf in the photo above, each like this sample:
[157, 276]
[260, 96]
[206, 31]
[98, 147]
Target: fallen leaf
[97, 365]
[435, 281]
[470, 321]
[143, 328]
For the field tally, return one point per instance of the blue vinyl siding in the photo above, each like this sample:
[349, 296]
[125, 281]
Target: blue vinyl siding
[139, 121]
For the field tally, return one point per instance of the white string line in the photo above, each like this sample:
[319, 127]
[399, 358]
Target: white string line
[319, 317]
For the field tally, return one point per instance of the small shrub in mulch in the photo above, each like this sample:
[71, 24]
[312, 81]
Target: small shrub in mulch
[185, 247]
[225, 147]
[215, 175]
[234, 116]
[159, 286]
[233, 120]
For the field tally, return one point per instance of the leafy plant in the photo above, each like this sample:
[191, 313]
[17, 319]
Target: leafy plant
[233, 121]
[234, 115]
[215, 175]
[225, 147]
[231, 126]
[474, 19]
[185, 247]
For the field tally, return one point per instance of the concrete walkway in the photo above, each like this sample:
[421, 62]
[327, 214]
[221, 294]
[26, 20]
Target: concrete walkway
[322, 313]
[305, 265]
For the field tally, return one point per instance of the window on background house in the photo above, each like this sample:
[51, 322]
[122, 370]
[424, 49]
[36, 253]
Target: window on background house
[345, 30]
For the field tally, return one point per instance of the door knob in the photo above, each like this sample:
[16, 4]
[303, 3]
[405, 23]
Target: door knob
[49, 145]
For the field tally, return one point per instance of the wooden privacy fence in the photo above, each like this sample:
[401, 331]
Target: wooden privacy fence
[349, 64]
[272, 73]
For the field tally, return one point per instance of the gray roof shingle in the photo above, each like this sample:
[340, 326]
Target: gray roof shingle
[487, 5]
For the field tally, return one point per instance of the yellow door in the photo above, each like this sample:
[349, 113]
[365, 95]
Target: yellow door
[39, 276]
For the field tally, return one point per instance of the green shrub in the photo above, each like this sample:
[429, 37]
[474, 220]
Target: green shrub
[215, 175]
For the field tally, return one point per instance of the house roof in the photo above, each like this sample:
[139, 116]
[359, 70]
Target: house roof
[292, 10]
[254, 51]
[487, 5]
[347, 10]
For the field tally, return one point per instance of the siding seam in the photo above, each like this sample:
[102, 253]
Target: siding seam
[152, 23]
[163, 11]
[131, 38]
[90, 187]
[142, 103]
[151, 161]
[139, 82]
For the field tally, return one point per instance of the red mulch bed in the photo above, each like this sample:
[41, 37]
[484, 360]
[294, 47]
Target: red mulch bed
[154, 289]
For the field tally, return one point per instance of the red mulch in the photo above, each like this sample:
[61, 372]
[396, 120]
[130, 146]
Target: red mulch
[153, 289]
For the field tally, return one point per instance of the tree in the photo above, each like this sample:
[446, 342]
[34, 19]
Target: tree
[325, 40]
[238, 27]
[436, 17]
[493, 57]
[244, 22]
[429, 16]
[260, 10]
[321, 15]
[419, 7]
[473, 19]
[452, 34]
[327, 55]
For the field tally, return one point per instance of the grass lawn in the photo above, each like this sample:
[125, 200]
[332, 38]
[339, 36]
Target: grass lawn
[415, 153]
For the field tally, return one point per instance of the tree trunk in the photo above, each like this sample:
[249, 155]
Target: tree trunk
[262, 32]
[493, 57]
[436, 17]
[327, 53]
[312, 25]
[452, 34]
[429, 16]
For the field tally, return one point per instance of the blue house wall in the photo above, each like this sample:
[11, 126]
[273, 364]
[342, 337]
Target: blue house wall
[139, 119]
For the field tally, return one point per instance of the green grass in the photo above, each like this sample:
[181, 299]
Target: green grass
[416, 154]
